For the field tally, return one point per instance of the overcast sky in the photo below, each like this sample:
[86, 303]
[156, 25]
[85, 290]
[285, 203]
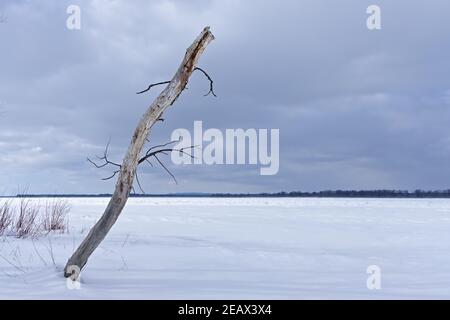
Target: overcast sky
[356, 109]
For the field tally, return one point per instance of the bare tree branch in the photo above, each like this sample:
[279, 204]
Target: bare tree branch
[211, 82]
[153, 85]
[166, 152]
[138, 182]
[106, 162]
[147, 160]
[151, 152]
[111, 176]
[167, 170]
[127, 173]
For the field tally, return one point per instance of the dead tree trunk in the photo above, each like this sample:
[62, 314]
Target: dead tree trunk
[127, 172]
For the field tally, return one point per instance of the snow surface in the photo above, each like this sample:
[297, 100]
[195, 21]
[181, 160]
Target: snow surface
[251, 248]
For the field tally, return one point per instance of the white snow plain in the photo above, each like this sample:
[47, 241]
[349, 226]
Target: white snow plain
[247, 248]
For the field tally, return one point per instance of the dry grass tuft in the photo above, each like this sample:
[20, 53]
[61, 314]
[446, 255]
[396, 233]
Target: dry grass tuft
[30, 219]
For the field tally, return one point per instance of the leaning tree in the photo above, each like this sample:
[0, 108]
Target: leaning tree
[127, 171]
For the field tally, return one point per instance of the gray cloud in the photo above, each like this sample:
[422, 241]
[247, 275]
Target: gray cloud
[355, 108]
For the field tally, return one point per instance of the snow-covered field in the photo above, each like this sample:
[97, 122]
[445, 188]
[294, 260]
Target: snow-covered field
[199, 248]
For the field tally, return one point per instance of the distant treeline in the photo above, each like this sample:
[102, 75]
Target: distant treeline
[293, 194]
[349, 194]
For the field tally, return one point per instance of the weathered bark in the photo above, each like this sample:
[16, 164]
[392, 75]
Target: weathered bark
[128, 170]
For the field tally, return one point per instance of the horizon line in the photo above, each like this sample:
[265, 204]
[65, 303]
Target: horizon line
[374, 193]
